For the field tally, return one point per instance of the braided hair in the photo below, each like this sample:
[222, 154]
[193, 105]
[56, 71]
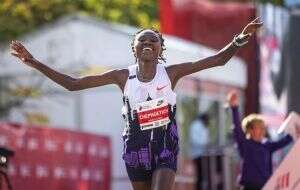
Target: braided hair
[162, 42]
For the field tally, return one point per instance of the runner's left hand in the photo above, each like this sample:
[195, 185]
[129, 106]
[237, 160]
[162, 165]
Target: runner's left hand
[250, 29]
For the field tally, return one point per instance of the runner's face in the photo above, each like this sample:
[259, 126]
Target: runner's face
[147, 46]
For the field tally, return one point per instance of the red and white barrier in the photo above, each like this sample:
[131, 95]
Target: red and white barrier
[287, 175]
[47, 158]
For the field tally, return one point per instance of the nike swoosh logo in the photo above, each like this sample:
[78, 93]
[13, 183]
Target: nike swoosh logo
[160, 88]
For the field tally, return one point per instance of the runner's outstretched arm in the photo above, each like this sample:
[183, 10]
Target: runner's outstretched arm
[221, 58]
[117, 76]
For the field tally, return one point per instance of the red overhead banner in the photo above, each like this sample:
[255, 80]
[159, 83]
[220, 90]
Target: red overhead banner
[214, 24]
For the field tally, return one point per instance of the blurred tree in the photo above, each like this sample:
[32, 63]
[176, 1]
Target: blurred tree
[18, 17]
[276, 2]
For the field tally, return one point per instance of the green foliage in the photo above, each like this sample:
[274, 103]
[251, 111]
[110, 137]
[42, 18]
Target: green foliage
[275, 2]
[189, 111]
[18, 17]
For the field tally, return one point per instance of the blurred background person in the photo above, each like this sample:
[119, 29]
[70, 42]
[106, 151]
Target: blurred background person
[199, 140]
[255, 150]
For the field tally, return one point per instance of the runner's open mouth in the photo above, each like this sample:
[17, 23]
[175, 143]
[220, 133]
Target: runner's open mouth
[147, 49]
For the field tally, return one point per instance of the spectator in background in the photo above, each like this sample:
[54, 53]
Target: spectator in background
[255, 150]
[199, 140]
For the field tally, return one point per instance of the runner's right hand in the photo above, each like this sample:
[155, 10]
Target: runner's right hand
[19, 51]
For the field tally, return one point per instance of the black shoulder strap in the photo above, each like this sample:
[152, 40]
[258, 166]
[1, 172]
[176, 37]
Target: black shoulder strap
[132, 77]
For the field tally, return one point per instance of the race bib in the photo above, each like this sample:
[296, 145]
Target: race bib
[153, 113]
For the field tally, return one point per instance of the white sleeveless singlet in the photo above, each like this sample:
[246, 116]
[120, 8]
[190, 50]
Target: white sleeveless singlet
[159, 87]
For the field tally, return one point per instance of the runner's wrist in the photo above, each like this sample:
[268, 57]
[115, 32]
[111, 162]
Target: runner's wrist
[239, 41]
